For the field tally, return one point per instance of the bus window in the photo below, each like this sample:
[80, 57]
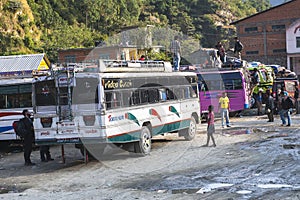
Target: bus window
[170, 95]
[214, 84]
[136, 97]
[144, 96]
[153, 95]
[162, 95]
[126, 100]
[203, 87]
[112, 100]
[2, 101]
[237, 84]
[189, 92]
[179, 93]
[86, 91]
[228, 84]
[194, 92]
[45, 93]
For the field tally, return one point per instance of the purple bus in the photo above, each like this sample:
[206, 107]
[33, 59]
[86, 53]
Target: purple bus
[213, 83]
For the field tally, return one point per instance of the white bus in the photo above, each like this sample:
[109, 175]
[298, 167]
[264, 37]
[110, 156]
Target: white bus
[117, 102]
[15, 95]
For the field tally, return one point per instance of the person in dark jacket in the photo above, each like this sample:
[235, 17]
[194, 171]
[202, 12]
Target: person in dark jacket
[28, 137]
[270, 106]
[286, 106]
[238, 47]
[45, 153]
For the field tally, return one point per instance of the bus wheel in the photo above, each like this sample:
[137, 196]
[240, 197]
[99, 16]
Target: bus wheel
[189, 133]
[143, 146]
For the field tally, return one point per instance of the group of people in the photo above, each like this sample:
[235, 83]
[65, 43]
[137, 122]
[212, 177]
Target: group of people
[285, 105]
[175, 49]
[28, 140]
[224, 108]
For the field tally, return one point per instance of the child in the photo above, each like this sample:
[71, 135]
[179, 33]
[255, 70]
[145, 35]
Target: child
[210, 125]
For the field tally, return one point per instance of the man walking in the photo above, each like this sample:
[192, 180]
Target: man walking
[286, 106]
[270, 106]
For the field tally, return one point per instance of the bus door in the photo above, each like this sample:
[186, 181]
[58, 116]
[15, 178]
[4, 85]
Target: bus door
[67, 130]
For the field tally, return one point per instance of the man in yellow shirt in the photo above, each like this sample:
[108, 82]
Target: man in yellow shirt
[224, 108]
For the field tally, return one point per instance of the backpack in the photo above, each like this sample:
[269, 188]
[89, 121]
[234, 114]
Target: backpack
[19, 128]
[291, 102]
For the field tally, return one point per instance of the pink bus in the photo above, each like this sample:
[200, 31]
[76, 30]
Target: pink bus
[213, 83]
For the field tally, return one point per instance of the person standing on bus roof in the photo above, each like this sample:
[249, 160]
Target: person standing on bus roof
[221, 51]
[238, 47]
[175, 48]
[28, 137]
[224, 108]
[210, 126]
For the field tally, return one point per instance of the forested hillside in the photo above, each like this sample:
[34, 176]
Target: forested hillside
[35, 26]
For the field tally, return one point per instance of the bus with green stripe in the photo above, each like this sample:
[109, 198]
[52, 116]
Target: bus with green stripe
[114, 102]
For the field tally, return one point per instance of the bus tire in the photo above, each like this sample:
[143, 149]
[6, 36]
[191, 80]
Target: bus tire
[189, 133]
[143, 146]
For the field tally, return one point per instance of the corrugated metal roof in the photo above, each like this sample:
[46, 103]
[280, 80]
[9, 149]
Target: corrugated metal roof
[20, 62]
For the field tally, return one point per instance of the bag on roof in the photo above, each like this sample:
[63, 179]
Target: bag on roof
[19, 128]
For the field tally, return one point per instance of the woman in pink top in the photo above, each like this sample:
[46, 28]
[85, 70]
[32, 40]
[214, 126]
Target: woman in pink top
[210, 125]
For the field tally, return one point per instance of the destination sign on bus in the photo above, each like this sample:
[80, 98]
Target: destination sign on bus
[116, 83]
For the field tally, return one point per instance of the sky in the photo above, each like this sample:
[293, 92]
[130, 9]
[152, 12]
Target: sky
[276, 2]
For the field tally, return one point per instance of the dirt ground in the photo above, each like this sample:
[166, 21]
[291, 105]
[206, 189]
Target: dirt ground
[253, 160]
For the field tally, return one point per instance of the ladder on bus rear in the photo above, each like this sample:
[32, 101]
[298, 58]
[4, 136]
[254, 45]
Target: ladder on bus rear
[64, 80]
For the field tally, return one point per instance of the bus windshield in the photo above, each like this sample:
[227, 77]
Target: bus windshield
[85, 92]
[220, 81]
[45, 92]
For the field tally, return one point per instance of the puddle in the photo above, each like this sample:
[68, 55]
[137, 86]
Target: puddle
[203, 190]
[213, 186]
[187, 191]
[244, 192]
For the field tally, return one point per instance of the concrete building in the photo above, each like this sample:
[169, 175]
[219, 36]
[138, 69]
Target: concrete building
[265, 35]
[91, 55]
[293, 47]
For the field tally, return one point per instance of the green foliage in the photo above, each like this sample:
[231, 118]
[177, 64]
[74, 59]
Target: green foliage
[63, 24]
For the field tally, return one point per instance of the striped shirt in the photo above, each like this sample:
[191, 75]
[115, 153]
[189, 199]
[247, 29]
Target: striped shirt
[175, 47]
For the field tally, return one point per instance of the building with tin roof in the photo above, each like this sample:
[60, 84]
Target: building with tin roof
[23, 65]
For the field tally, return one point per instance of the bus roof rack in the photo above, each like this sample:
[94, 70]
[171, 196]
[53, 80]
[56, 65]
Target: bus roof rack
[133, 66]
